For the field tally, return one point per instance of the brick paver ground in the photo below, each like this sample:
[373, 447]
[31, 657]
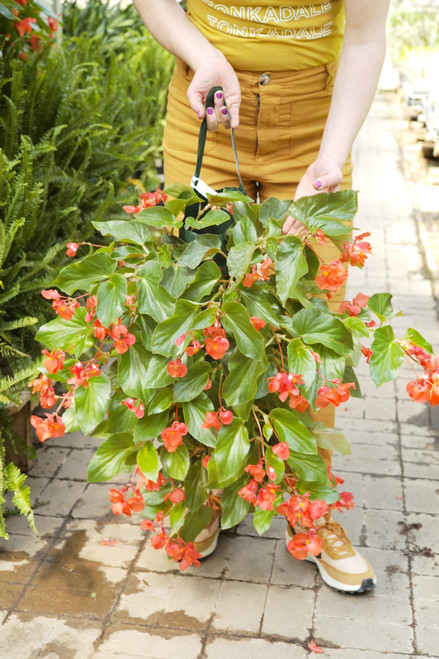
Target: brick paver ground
[91, 586]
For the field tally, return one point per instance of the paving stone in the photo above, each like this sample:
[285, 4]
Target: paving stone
[427, 639]
[380, 409]
[422, 496]
[108, 543]
[349, 653]
[364, 425]
[363, 633]
[288, 571]
[49, 459]
[167, 600]
[411, 412]
[367, 458]
[426, 565]
[383, 492]
[427, 612]
[254, 648]
[28, 637]
[251, 559]
[276, 530]
[46, 525]
[9, 592]
[94, 503]
[130, 642]
[59, 497]
[76, 440]
[382, 529]
[278, 617]
[391, 570]
[426, 535]
[425, 588]
[374, 437]
[239, 607]
[75, 465]
[420, 463]
[372, 607]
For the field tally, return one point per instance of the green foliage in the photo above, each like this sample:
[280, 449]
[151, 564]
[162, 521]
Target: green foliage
[192, 338]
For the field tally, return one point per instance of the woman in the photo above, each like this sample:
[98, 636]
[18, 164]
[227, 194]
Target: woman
[298, 80]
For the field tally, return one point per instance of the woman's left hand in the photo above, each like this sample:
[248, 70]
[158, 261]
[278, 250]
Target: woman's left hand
[321, 176]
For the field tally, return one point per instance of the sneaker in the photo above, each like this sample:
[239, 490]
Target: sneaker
[340, 565]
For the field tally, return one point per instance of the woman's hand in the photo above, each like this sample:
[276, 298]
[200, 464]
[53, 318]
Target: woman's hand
[321, 176]
[218, 74]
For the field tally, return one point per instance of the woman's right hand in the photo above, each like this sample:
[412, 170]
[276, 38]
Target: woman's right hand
[219, 74]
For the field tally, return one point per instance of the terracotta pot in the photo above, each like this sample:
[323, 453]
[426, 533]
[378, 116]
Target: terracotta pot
[21, 426]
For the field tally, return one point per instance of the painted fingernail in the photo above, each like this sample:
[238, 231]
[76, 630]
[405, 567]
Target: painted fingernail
[318, 185]
[209, 110]
[224, 110]
[199, 115]
[219, 95]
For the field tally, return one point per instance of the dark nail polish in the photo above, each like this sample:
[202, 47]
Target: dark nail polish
[209, 110]
[224, 110]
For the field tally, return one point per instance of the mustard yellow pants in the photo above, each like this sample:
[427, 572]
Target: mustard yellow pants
[282, 118]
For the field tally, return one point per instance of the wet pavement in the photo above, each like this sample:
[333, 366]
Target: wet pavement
[92, 586]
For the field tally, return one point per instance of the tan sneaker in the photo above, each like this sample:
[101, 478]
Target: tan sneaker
[340, 565]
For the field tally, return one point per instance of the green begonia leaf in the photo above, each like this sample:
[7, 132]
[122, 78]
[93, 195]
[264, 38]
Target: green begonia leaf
[387, 356]
[80, 275]
[308, 467]
[258, 305]
[194, 416]
[241, 384]
[176, 464]
[204, 245]
[157, 216]
[150, 426]
[161, 401]
[239, 259]
[154, 300]
[206, 277]
[91, 402]
[291, 430]
[168, 331]
[111, 297]
[233, 507]
[327, 211]
[209, 219]
[291, 265]
[110, 458]
[231, 450]
[315, 327]
[332, 439]
[193, 383]
[416, 338]
[148, 461]
[195, 486]
[63, 334]
[235, 320]
[301, 361]
[125, 231]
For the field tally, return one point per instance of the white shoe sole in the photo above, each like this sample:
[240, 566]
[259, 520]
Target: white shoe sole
[366, 584]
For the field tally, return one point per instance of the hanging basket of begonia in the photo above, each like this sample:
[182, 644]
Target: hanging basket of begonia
[199, 377]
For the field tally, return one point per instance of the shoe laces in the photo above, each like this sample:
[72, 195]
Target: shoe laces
[335, 541]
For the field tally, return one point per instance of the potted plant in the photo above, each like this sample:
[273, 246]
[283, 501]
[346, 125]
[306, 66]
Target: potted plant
[198, 363]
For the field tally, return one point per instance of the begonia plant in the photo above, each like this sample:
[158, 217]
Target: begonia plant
[198, 361]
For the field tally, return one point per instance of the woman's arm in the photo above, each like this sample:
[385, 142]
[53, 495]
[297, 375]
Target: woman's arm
[361, 60]
[170, 26]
